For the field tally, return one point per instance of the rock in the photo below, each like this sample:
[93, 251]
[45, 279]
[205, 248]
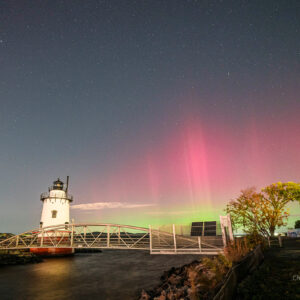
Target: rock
[171, 295]
[180, 293]
[17, 259]
[191, 293]
[163, 296]
[175, 280]
[165, 286]
[144, 295]
[175, 283]
[186, 283]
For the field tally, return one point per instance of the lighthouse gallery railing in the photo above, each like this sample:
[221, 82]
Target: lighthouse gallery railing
[47, 195]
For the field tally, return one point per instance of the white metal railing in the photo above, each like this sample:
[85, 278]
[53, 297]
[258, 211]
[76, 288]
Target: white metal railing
[114, 236]
[46, 195]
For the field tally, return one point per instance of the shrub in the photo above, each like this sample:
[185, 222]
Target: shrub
[206, 278]
[238, 249]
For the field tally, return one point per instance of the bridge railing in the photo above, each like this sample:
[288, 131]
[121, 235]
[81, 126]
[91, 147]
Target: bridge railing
[114, 236]
[180, 241]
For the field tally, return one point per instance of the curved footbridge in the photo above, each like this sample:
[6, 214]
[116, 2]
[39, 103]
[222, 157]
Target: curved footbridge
[115, 236]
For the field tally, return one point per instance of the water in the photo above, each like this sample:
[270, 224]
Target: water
[111, 275]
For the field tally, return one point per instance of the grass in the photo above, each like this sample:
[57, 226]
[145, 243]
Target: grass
[277, 278]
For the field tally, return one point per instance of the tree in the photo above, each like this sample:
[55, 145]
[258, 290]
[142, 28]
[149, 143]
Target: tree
[263, 212]
[277, 196]
[297, 224]
[248, 212]
[281, 193]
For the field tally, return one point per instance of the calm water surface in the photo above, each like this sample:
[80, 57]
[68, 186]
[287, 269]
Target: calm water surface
[111, 275]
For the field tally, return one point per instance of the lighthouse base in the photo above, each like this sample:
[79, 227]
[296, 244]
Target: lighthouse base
[52, 251]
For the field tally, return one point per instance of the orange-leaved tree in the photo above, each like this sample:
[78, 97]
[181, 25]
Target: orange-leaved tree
[263, 212]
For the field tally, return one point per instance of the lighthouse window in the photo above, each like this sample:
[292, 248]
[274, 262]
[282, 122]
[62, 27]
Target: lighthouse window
[54, 213]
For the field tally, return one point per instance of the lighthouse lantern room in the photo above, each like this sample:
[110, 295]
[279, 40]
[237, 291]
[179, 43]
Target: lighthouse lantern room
[56, 205]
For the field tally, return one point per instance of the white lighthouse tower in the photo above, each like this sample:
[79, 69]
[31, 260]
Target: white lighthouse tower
[56, 205]
[56, 211]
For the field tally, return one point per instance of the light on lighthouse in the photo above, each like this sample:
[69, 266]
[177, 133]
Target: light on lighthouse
[56, 205]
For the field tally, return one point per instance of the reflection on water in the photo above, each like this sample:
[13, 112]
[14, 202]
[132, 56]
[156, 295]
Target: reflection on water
[111, 275]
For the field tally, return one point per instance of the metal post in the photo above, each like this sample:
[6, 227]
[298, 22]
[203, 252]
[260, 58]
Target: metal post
[108, 236]
[174, 238]
[225, 222]
[42, 238]
[67, 186]
[84, 233]
[72, 236]
[119, 237]
[229, 225]
[55, 238]
[280, 240]
[223, 235]
[199, 243]
[158, 236]
[150, 237]
[72, 233]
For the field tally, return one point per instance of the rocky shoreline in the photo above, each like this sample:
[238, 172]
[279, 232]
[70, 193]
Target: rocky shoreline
[180, 283]
[18, 258]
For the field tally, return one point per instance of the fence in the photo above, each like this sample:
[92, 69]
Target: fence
[179, 239]
[239, 272]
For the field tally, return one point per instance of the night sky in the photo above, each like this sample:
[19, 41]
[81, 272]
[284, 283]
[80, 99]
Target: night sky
[160, 111]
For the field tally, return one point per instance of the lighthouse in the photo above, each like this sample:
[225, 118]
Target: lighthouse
[56, 211]
[56, 204]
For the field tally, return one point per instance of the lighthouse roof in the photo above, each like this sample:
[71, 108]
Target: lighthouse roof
[58, 185]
